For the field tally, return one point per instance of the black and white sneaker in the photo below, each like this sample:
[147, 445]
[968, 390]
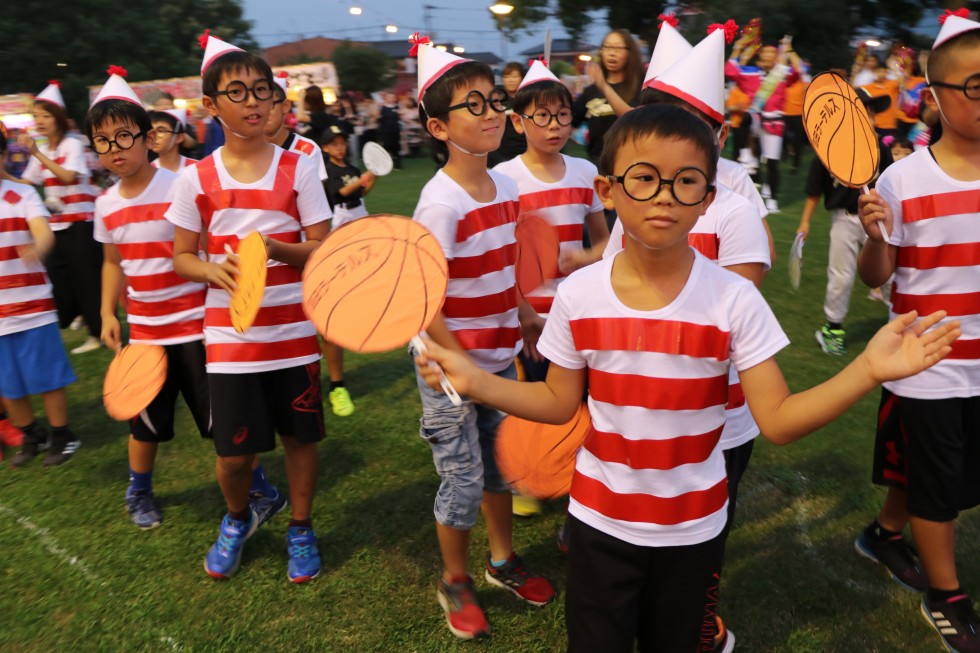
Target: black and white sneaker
[896, 556]
[956, 622]
[61, 450]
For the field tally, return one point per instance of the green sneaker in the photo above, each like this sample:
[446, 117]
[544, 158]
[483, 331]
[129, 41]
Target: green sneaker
[340, 402]
[831, 340]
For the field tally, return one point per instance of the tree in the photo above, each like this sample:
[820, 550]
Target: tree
[92, 34]
[362, 68]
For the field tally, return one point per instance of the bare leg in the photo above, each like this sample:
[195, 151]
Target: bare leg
[142, 455]
[334, 357]
[935, 543]
[301, 471]
[234, 477]
[454, 545]
[19, 411]
[497, 514]
[894, 514]
[56, 407]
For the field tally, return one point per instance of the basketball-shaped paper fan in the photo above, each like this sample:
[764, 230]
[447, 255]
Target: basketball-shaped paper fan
[840, 130]
[253, 259]
[375, 283]
[537, 252]
[539, 459]
[133, 380]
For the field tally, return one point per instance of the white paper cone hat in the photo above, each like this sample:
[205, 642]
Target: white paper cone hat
[214, 48]
[670, 47]
[282, 79]
[116, 88]
[538, 72]
[52, 94]
[698, 78]
[180, 115]
[433, 63]
[954, 23]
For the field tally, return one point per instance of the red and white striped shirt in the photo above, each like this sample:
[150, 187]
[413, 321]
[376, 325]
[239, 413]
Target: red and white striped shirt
[565, 204]
[26, 301]
[478, 241]
[651, 471]
[162, 308]
[184, 163]
[307, 147]
[938, 266]
[280, 205]
[78, 198]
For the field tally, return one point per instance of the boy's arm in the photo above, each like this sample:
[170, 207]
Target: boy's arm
[553, 401]
[754, 272]
[112, 284]
[189, 265]
[295, 254]
[901, 348]
[574, 259]
[878, 258]
[439, 333]
[809, 206]
[43, 240]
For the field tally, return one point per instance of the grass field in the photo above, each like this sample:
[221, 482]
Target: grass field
[75, 575]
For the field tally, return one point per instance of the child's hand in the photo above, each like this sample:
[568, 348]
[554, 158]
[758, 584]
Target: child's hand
[26, 141]
[572, 259]
[456, 367]
[904, 347]
[224, 274]
[367, 178]
[28, 254]
[804, 229]
[875, 213]
[110, 333]
[531, 328]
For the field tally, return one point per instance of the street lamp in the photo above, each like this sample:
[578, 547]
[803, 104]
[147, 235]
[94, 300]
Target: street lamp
[500, 10]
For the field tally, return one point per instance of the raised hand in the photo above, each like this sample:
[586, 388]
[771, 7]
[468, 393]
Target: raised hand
[906, 346]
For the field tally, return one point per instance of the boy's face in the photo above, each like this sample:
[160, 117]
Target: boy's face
[247, 118]
[960, 112]
[165, 138]
[277, 116]
[550, 138]
[121, 162]
[899, 152]
[477, 134]
[511, 81]
[661, 222]
[337, 148]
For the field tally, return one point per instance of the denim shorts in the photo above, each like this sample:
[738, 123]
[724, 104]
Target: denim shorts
[462, 440]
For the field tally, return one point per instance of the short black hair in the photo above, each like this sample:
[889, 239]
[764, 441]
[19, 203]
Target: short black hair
[232, 62]
[941, 59]
[656, 96]
[435, 102]
[663, 121]
[120, 111]
[171, 120]
[541, 94]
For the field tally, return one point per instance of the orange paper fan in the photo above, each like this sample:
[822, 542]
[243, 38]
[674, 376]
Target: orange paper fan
[133, 380]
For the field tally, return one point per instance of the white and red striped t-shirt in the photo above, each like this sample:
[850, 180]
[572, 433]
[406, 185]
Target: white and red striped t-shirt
[280, 205]
[77, 199]
[184, 163]
[307, 147]
[564, 203]
[162, 308]
[26, 301]
[651, 471]
[478, 241]
[938, 266]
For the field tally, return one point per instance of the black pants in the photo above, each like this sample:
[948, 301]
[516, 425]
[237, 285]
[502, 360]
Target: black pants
[658, 598]
[391, 141]
[75, 269]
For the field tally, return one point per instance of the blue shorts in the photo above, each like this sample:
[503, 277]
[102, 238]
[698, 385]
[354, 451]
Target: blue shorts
[462, 440]
[33, 362]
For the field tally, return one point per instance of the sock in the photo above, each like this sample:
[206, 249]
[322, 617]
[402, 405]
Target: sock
[244, 515]
[835, 326]
[336, 384]
[32, 431]
[497, 564]
[881, 533]
[61, 434]
[940, 596]
[141, 481]
[301, 523]
[260, 484]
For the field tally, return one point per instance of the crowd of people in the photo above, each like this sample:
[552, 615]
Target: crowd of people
[654, 315]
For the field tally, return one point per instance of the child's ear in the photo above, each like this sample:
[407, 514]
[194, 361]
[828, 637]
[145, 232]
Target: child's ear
[708, 200]
[603, 189]
[518, 122]
[180, 138]
[209, 106]
[438, 128]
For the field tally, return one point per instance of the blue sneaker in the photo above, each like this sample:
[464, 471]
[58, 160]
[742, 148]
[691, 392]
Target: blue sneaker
[265, 507]
[144, 511]
[304, 557]
[224, 557]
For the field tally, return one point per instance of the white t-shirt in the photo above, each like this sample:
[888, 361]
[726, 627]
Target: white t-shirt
[280, 205]
[478, 241]
[735, 176]
[75, 202]
[184, 162]
[565, 204]
[162, 308]
[651, 471]
[26, 301]
[938, 266]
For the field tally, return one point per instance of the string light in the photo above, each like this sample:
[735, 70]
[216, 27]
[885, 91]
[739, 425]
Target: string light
[355, 10]
[391, 29]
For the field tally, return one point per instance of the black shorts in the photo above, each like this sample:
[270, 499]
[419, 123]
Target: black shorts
[186, 376]
[621, 597]
[249, 409]
[930, 447]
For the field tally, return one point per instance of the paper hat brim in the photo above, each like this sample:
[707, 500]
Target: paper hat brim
[52, 94]
[216, 47]
[699, 77]
[954, 26]
[179, 114]
[282, 82]
[670, 47]
[433, 64]
[538, 72]
[116, 88]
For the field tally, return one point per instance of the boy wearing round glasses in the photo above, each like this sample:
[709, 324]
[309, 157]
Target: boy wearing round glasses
[168, 136]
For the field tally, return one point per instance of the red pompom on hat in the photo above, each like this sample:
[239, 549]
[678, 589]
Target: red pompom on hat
[202, 40]
[962, 12]
[416, 40]
[729, 26]
[214, 48]
[668, 19]
[117, 70]
[282, 79]
[670, 47]
[116, 88]
[953, 24]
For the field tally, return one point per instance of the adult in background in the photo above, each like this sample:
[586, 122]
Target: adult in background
[314, 113]
[616, 80]
[513, 144]
[390, 128]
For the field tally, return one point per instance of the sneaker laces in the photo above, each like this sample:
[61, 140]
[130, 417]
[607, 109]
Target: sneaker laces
[229, 534]
[459, 592]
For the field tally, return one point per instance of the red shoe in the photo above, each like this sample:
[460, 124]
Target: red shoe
[520, 580]
[10, 436]
[463, 613]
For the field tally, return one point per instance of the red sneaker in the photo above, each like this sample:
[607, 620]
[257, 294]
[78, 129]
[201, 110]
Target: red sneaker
[520, 580]
[10, 436]
[463, 613]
